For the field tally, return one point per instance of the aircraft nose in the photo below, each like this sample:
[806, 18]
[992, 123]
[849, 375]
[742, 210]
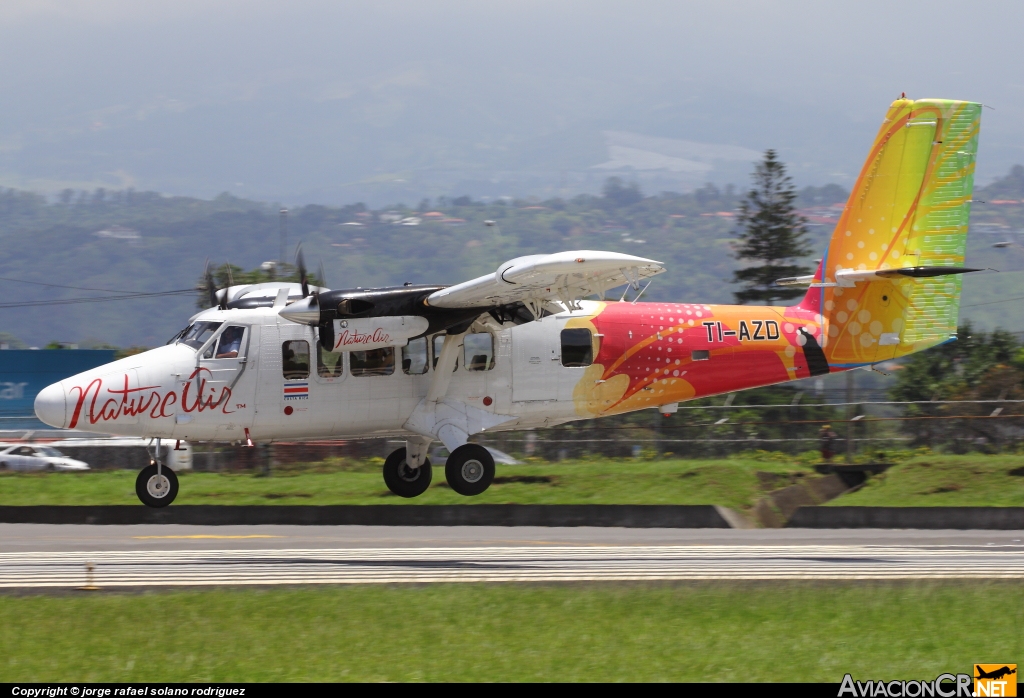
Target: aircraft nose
[51, 405]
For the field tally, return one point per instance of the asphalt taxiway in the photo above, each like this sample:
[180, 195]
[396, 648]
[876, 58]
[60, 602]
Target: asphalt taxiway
[56, 556]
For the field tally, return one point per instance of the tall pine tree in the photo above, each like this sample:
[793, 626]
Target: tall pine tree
[772, 233]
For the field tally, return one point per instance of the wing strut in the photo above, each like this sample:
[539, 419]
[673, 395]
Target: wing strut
[445, 368]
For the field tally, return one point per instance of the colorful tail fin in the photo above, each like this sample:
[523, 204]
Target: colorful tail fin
[883, 288]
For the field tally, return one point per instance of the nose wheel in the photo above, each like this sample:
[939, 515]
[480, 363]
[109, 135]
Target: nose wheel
[403, 480]
[470, 469]
[156, 489]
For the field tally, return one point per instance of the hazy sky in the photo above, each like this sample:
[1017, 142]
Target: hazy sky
[342, 100]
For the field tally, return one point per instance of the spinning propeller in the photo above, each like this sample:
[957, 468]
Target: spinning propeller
[326, 327]
[210, 286]
[300, 265]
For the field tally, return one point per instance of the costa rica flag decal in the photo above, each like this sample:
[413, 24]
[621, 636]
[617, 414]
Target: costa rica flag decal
[296, 390]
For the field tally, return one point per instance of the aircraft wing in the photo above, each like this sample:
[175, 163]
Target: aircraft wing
[540, 279]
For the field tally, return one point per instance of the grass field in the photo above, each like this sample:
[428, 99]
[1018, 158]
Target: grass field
[928, 480]
[731, 483]
[501, 632]
[932, 481]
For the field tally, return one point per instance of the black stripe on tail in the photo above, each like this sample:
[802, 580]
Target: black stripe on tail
[817, 364]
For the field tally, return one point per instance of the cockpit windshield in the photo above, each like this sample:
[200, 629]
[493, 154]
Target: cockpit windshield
[196, 334]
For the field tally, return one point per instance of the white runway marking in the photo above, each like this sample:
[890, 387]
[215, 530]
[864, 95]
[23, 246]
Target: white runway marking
[506, 564]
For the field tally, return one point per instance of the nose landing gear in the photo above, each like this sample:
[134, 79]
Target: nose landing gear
[156, 485]
[156, 489]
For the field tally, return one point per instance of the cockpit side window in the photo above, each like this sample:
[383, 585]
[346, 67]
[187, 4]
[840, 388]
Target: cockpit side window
[229, 345]
[198, 333]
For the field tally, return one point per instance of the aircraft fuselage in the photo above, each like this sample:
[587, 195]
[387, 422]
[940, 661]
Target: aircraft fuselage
[641, 355]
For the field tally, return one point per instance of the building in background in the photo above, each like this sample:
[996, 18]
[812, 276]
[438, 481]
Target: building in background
[23, 373]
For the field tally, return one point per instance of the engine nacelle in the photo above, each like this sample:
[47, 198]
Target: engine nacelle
[361, 334]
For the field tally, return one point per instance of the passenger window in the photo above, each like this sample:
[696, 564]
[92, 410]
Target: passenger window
[295, 359]
[438, 344]
[478, 351]
[700, 355]
[375, 362]
[329, 364]
[230, 343]
[577, 347]
[414, 357]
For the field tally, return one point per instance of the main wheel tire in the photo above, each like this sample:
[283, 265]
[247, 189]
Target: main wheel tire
[470, 469]
[156, 490]
[405, 481]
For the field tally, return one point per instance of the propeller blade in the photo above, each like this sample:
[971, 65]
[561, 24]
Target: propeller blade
[300, 263]
[211, 284]
[322, 277]
[327, 336]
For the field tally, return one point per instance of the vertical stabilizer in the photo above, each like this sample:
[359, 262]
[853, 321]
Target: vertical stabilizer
[908, 210]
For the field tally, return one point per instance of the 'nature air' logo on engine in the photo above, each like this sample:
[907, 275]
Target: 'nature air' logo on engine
[354, 337]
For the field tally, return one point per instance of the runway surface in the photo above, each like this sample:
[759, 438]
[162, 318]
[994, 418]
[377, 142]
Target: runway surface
[136, 556]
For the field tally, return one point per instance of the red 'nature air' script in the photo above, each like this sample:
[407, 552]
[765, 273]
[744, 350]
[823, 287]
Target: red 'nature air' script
[131, 402]
[350, 337]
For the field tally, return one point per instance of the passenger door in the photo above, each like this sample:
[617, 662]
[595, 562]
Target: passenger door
[576, 353]
[535, 360]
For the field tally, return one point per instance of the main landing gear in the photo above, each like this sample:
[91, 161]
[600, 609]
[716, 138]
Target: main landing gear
[156, 485]
[404, 480]
[469, 471]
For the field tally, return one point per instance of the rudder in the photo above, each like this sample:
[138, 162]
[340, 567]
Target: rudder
[881, 289]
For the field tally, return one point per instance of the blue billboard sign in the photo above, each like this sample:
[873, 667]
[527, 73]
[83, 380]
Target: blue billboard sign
[23, 373]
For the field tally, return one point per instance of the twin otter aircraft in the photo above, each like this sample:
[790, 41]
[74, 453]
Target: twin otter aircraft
[522, 348]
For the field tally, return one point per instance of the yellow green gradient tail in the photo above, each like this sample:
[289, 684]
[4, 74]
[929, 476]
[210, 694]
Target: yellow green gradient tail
[889, 284]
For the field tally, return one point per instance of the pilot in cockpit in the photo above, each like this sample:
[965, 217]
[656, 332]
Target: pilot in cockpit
[230, 343]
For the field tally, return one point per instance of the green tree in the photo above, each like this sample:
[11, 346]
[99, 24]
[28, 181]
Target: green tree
[772, 233]
[618, 195]
[950, 371]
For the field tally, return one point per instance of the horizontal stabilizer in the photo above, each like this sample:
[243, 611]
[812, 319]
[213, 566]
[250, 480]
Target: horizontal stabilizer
[848, 277]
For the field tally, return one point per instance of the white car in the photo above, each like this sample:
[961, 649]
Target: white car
[37, 458]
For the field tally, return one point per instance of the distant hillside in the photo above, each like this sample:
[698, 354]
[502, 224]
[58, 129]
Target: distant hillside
[142, 241]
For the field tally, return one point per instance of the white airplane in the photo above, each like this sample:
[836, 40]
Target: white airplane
[522, 348]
